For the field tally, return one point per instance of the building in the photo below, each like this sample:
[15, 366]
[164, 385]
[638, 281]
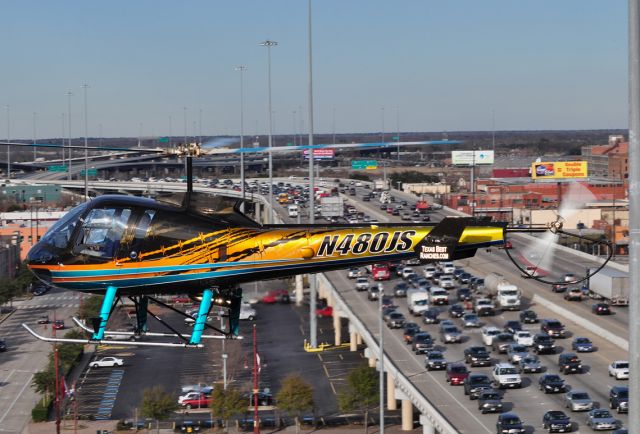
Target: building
[609, 161]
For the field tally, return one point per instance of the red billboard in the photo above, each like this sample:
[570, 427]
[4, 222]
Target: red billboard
[321, 154]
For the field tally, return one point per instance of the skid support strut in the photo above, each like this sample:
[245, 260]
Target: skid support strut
[100, 323]
[201, 319]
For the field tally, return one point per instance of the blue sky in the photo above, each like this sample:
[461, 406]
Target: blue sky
[434, 65]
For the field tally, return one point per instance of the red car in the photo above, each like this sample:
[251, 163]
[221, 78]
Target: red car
[202, 402]
[325, 312]
[58, 324]
[457, 373]
[276, 296]
[181, 299]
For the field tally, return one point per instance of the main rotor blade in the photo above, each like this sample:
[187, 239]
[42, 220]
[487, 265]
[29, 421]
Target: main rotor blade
[95, 148]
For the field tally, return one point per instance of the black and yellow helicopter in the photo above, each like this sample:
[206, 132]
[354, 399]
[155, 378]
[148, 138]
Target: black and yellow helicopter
[124, 246]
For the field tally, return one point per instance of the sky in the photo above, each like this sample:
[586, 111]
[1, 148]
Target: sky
[378, 65]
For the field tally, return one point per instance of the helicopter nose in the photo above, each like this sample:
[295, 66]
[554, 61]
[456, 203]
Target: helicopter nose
[39, 254]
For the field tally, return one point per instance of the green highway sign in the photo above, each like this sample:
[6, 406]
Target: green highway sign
[363, 164]
[57, 168]
[92, 172]
[395, 138]
[163, 140]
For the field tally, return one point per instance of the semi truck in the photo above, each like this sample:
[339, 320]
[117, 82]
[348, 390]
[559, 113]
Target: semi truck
[611, 285]
[505, 294]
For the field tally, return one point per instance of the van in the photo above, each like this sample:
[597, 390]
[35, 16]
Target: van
[293, 210]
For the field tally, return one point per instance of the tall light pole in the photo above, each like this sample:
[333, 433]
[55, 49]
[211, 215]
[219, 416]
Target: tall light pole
[270, 44]
[398, 130]
[86, 149]
[8, 107]
[382, 134]
[242, 69]
[63, 135]
[69, 95]
[34, 137]
[381, 358]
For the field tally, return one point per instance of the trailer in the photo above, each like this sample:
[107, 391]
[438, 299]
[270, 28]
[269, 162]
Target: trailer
[611, 285]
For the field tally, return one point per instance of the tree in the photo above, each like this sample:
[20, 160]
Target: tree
[361, 392]
[295, 396]
[227, 403]
[44, 382]
[90, 307]
[157, 404]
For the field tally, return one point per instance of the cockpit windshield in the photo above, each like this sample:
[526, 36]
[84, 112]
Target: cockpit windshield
[102, 230]
[60, 233]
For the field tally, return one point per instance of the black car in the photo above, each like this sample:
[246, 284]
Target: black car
[456, 310]
[477, 356]
[396, 320]
[400, 290]
[528, 317]
[559, 288]
[430, 316]
[619, 399]
[190, 426]
[464, 294]
[569, 363]
[551, 383]
[509, 423]
[387, 302]
[556, 421]
[422, 343]
[40, 290]
[477, 383]
[489, 401]
[3, 345]
[512, 327]
[543, 344]
[601, 309]
[553, 328]
[435, 361]
[410, 329]
[501, 342]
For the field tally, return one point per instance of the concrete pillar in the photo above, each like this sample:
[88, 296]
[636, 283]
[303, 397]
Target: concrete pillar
[299, 290]
[358, 339]
[353, 341]
[407, 415]
[427, 426]
[337, 328]
[372, 362]
[391, 393]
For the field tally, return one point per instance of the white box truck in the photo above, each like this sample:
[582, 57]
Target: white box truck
[331, 206]
[417, 301]
[506, 295]
[610, 284]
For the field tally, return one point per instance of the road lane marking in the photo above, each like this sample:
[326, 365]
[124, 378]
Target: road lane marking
[16, 398]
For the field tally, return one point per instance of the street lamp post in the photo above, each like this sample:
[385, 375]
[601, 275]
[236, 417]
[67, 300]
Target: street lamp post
[69, 95]
[8, 140]
[34, 137]
[270, 44]
[381, 357]
[86, 149]
[242, 69]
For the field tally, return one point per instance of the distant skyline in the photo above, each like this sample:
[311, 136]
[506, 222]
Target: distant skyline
[420, 65]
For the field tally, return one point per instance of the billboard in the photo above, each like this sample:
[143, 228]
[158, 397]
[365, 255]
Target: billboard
[321, 154]
[559, 170]
[470, 158]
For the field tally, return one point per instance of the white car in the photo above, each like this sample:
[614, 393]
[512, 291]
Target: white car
[362, 284]
[247, 313]
[429, 271]
[488, 333]
[446, 282]
[506, 375]
[448, 267]
[188, 395]
[106, 362]
[523, 337]
[406, 271]
[619, 369]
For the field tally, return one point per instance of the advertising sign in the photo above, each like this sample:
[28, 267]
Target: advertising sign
[470, 158]
[559, 170]
[321, 154]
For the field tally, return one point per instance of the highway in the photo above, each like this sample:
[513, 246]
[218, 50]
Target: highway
[528, 402]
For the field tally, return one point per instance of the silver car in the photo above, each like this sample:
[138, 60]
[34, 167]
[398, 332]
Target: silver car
[450, 334]
[470, 320]
[516, 352]
[577, 400]
[600, 419]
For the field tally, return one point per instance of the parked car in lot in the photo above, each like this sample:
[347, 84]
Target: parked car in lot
[44, 319]
[582, 345]
[577, 400]
[490, 401]
[619, 399]
[556, 421]
[619, 369]
[106, 362]
[551, 383]
[601, 419]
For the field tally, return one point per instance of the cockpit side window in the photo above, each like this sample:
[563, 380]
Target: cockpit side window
[60, 233]
[102, 230]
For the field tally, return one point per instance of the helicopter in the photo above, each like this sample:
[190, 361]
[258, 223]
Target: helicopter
[123, 246]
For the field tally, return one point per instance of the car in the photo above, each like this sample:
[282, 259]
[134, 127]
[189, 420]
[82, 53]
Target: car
[528, 317]
[464, 294]
[501, 342]
[506, 375]
[396, 320]
[477, 356]
[484, 307]
[601, 309]
[476, 283]
[192, 395]
[422, 343]
[181, 299]
[58, 324]
[477, 383]
[489, 401]
[324, 312]
[456, 374]
[202, 401]
[582, 345]
[559, 288]
[551, 383]
[106, 362]
[374, 292]
[3, 345]
[569, 363]
[512, 326]
[516, 352]
[509, 423]
[523, 337]
[464, 277]
[470, 320]
[456, 310]
[577, 400]
[429, 271]
[387, 302]
[573, 294]
[189, 426]
[553, 328]
[275, 296]
[435, 360]
[556, 421]
[400, 290]
[543, 344]
[601, 419]
[406, 271]
[488, 333]
[446, 281]
[619, 369]
[200, 388]
[410, 329]
[450, 334]
[354, 272]
[619, 399]
[569, 278]
[39, 290]
[506, 245]
[530, 364]
[44, 319]
[531, 271]
[362, 284]
[430, 316]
